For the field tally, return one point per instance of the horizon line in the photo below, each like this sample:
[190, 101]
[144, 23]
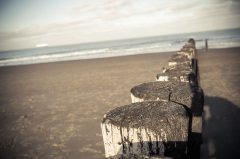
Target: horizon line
[114, 40]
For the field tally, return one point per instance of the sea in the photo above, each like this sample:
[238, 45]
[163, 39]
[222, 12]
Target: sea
[155, 44]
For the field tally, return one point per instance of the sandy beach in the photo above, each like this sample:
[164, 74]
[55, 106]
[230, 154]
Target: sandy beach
[54, 110]
[220, 76]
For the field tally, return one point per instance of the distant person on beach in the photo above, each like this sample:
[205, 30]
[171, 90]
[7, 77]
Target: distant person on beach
[206, 44]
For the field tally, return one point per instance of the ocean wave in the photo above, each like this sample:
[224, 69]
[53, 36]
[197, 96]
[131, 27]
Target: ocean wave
[50, 57]
[223, 39]
[87, 54]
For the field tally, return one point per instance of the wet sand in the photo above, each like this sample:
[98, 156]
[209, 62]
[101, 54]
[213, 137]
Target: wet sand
[54, 110]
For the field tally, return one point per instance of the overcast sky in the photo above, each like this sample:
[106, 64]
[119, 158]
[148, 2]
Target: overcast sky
[26, 23]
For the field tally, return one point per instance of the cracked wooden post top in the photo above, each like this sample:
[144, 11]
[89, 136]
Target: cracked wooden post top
[181, 72]
[179, 92]
[146, 129]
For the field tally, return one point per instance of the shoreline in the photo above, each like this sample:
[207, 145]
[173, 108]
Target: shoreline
[94, 58]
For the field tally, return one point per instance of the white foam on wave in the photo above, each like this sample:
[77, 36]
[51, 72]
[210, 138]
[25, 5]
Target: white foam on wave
[86, 54]
[225, 44]
[116, 48]
[51, 57]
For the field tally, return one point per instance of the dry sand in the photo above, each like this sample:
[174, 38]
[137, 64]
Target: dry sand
[220, 77]
[54, 110]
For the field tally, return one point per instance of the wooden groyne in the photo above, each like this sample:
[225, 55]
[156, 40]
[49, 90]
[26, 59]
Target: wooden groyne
[164, 119]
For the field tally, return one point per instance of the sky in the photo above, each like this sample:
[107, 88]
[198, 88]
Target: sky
[26, 23]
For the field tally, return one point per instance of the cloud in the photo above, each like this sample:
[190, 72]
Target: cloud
[95, 20]
[21, 33]
[131, 13]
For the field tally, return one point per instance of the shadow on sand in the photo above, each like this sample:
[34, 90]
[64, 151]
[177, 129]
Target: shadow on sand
[221, 129]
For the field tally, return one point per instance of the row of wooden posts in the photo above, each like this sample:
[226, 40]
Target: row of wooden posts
[165, 117]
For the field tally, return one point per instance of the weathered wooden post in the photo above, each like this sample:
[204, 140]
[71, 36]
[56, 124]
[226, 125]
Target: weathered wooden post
[178, 92]
[181, 93]
[178, 59]
[182, 73]
[176, 73]
[154, 128]
[165, 117]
